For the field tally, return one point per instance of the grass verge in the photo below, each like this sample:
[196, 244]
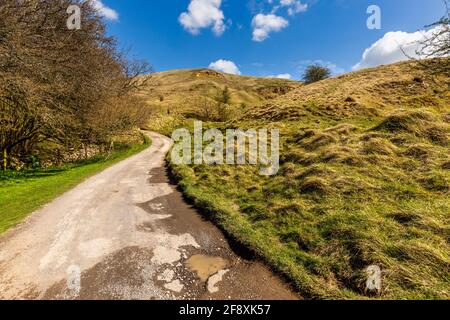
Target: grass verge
[226, 215]
[21, 193]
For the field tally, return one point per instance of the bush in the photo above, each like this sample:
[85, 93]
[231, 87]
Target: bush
[316, 73]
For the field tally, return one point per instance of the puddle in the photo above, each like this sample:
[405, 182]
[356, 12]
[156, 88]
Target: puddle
[205, 266]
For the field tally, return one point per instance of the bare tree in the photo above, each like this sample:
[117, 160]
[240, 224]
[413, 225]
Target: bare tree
[69, 86]
[438, 43]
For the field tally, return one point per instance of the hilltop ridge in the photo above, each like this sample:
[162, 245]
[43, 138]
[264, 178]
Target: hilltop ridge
[179, 88]
[366, 93]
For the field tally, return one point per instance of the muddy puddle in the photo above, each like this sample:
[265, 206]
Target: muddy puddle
[205, 266]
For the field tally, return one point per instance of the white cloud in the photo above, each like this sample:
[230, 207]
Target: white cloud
[225, 66]
[286, 76]
[203, 14]
[394, 47]
[105, 11]
[264, 24]
[294, 6]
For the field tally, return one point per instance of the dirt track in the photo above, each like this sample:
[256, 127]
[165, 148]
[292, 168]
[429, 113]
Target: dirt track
[126, 233]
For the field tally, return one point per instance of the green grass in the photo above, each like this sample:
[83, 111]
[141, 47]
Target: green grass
[324, 218]
[21, 193]
[361, 183]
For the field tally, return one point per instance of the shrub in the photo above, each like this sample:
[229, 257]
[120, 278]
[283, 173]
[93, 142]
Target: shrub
[316, 73]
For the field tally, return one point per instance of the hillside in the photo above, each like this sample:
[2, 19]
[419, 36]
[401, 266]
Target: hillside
[368, 93]
[198, 93]
[364, 180]
[174, 87]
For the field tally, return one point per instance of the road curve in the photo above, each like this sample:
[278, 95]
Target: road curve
[126, 233]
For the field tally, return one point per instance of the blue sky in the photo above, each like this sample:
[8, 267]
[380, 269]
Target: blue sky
[289, 33]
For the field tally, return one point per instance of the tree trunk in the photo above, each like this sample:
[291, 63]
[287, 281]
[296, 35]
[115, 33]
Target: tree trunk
[5, 159]
[85, 151]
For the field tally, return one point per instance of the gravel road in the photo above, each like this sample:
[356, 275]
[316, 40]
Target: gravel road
[127, 233]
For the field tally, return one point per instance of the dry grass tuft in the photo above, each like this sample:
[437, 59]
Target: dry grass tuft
[314, 185]
[379, 146]
[419, 151]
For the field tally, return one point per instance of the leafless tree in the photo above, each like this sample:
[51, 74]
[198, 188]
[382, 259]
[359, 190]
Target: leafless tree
[70, 86]
[438, 43]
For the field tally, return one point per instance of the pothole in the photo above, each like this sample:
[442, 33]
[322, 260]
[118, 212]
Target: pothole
[205, 266]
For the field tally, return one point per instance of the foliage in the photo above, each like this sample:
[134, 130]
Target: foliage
[316, 73]
[72, 87]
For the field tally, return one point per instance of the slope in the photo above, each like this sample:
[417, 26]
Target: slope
[364, 180]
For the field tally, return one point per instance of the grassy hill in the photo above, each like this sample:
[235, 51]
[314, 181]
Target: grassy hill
[174, 87]
[364, 180]
[179, 94]
[366, 94]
